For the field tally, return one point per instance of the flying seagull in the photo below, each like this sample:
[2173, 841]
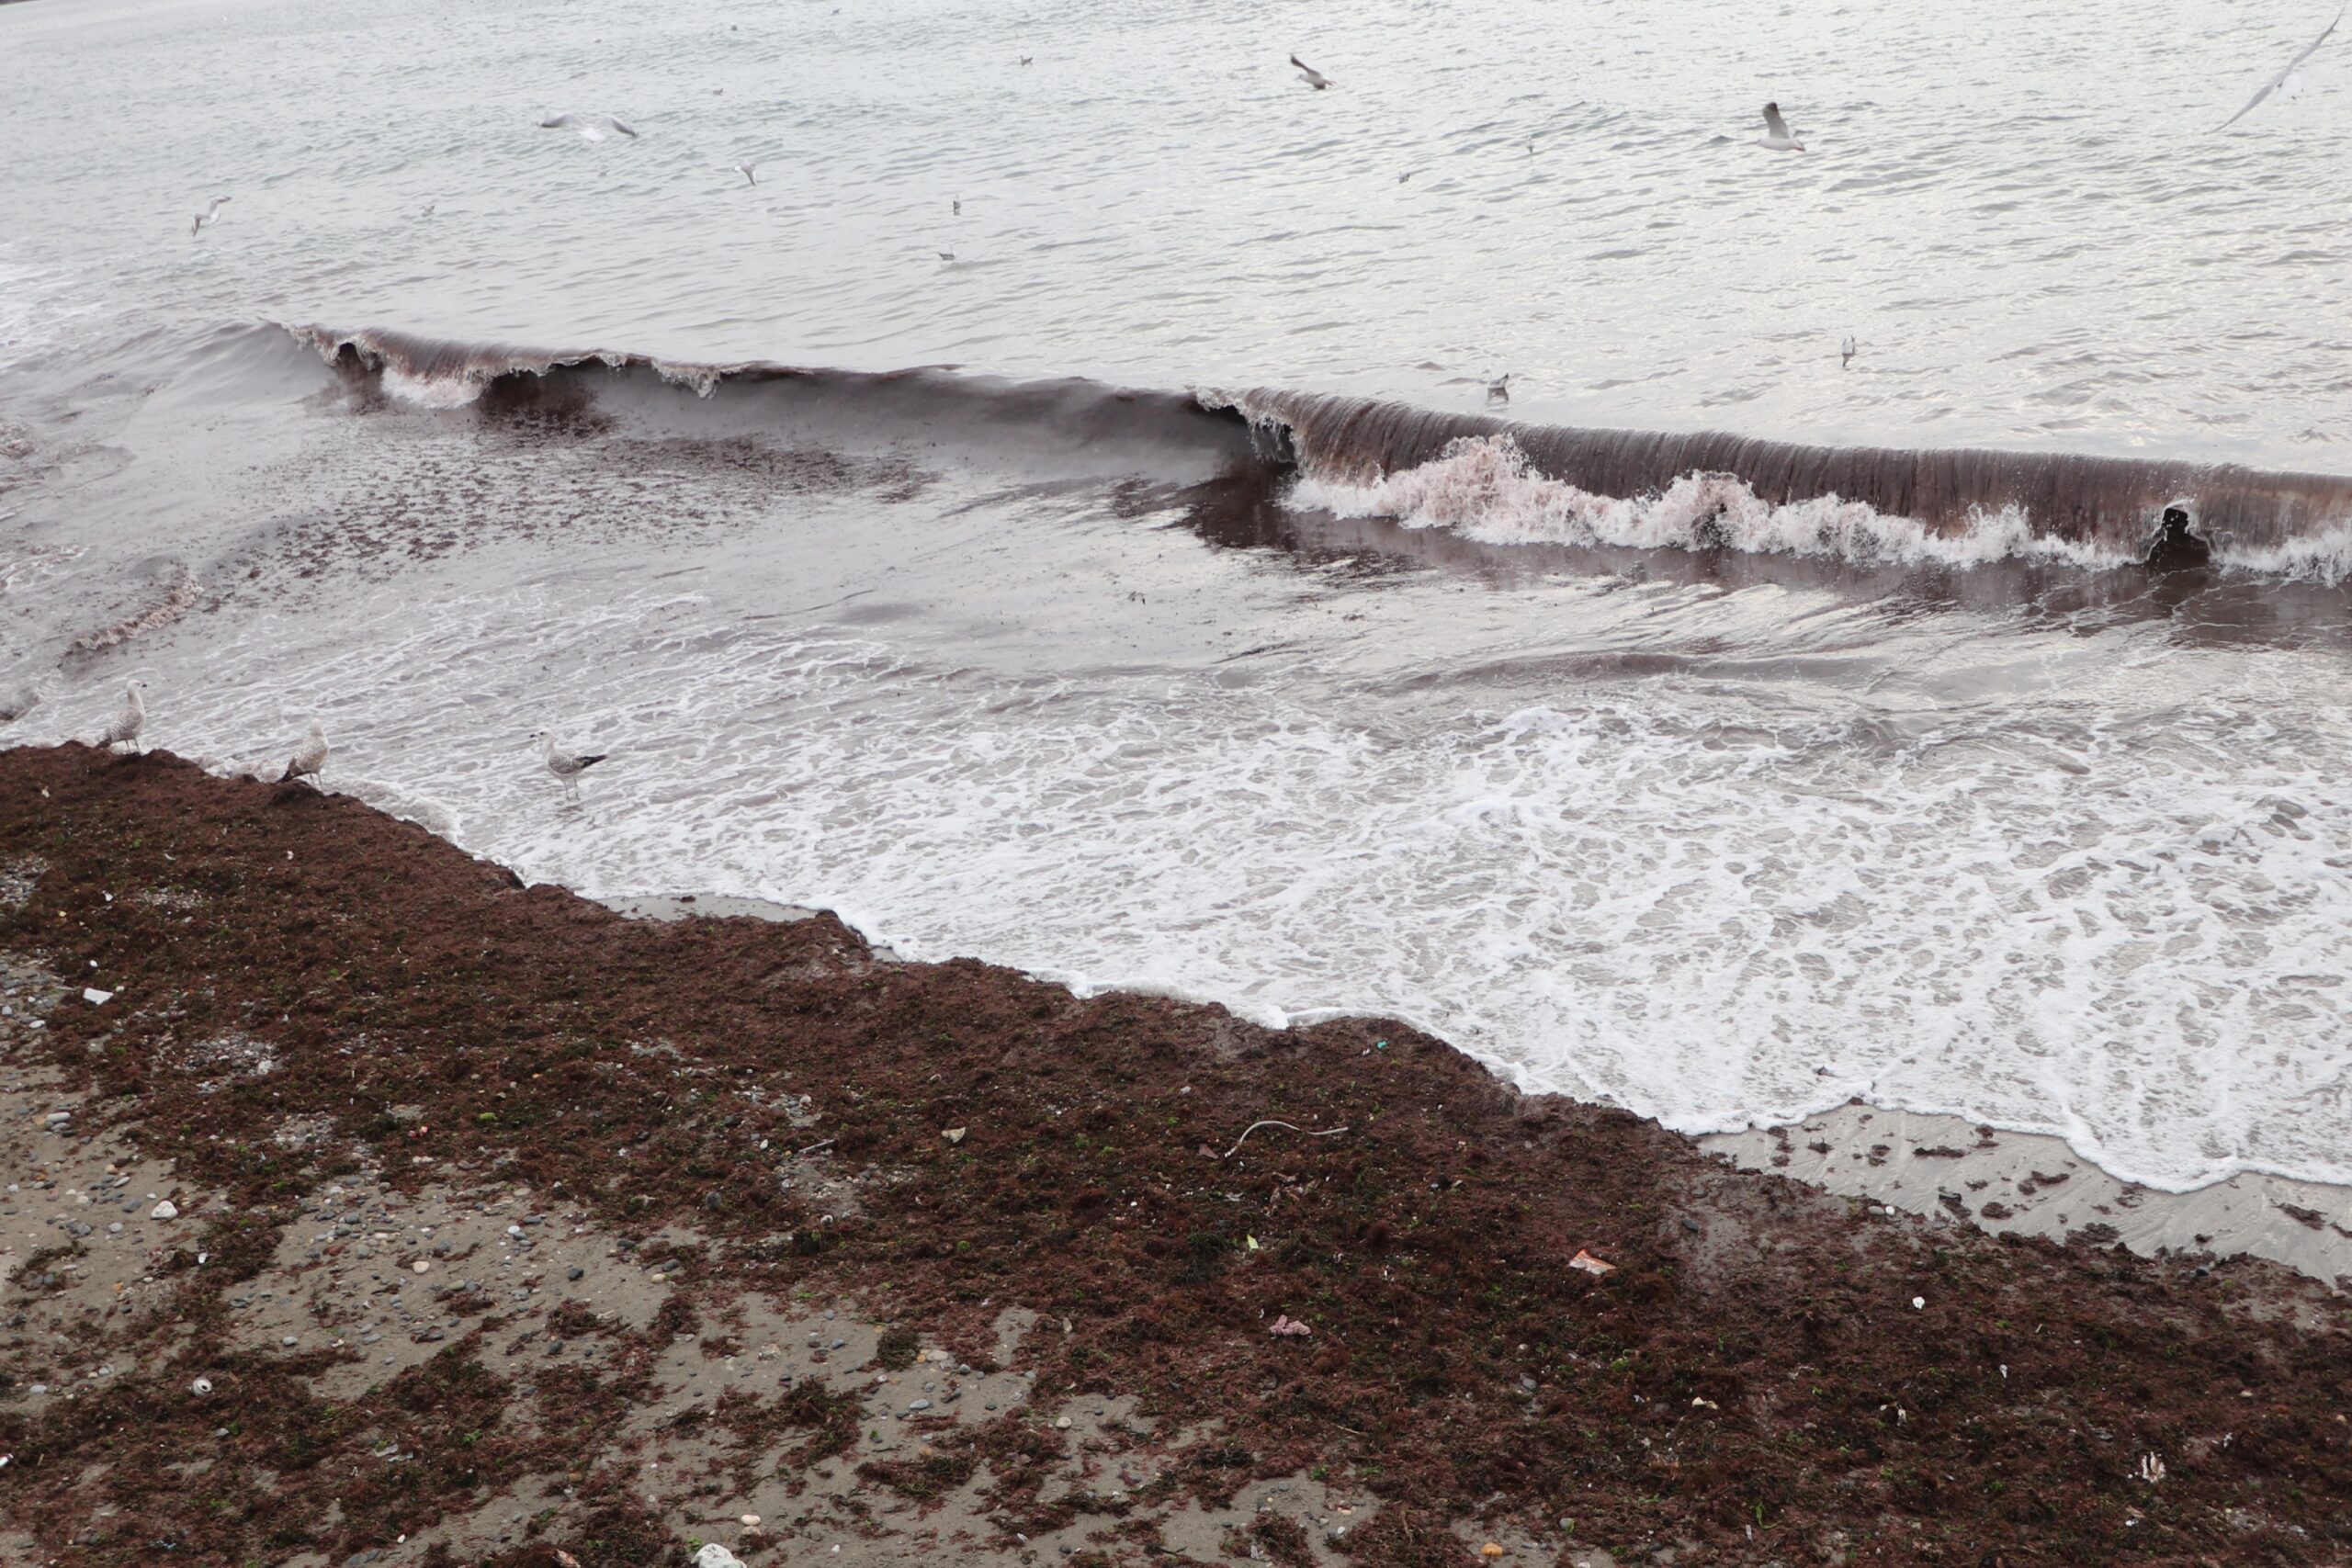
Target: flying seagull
[1776, 135]
[566, 766]
[592, 128]
[1314, 79]
[308, 758]
[745, 170]
[213, 211]
[123, 729]
[2286, 83]
[1846, 353]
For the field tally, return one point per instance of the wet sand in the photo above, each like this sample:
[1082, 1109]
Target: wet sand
[1953, 1171]
[505, 1229]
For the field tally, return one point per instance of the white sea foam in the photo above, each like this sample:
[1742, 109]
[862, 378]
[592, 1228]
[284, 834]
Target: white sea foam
[2323, 558]
[1484, 488]
[433, 391]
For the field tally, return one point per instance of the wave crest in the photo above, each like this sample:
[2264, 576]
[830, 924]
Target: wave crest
[1486, 489]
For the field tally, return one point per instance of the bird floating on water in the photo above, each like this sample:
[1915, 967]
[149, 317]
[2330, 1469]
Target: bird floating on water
[1027, 57]
[308, 758]
[208, 215]
[746, 171]
[566, 766]
[1846, 353]
[1499, 388]
[1776, 135]
[2286, 84]
[1314, 79]
[128, 720]
[591, 127]
[428, 210]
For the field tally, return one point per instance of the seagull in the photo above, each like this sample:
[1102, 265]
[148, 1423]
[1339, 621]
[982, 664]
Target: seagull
[745, 170]
[1846, 352]
[2286, 83]
[1403, 177]
[123, 729]
[428, 210]
[566, 766]
[1776, 135]
[213, 211]
[592, 128]
[947, 255]
[1027, 57]
[1314, 79]
[1499, 388]
[308, 758]
[957, 205]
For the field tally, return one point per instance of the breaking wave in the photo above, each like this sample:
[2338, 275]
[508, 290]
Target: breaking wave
[1512, 482]
[1495, 481]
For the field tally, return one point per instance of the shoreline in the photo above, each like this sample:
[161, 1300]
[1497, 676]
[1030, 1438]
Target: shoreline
[1940, 1166]
[372, 1207]
[1949, 1169]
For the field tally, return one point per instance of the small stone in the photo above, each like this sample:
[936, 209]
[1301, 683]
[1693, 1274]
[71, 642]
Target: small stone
[749, 1521]
[288, 1339]
[420, 1267]
[920, 1404]
[1061, 1424]
[1918, 1303]
[167, 1210]
[576, 1274]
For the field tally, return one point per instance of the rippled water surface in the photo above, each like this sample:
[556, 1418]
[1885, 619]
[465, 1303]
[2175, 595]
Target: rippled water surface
[1715, 804]
[2020, 219]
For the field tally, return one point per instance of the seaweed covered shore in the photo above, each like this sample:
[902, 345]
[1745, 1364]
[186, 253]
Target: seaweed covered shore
[380, 1209]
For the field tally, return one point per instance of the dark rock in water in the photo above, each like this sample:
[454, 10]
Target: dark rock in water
[2178, 547]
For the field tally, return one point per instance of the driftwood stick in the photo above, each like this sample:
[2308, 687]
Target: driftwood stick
[1326, 1133]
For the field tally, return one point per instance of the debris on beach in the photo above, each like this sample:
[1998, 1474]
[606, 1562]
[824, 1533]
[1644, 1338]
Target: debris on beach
[1289, 1327]
[1591, 1265]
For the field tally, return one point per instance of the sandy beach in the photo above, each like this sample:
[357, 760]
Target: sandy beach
[366, 1206]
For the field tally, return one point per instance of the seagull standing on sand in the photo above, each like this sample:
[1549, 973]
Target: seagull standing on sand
[1314, 79]
[2286, 83]
[213, 211]
[123, 730]
[1776, 135]
[592, 128]
[566, 766]
[308, 760]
